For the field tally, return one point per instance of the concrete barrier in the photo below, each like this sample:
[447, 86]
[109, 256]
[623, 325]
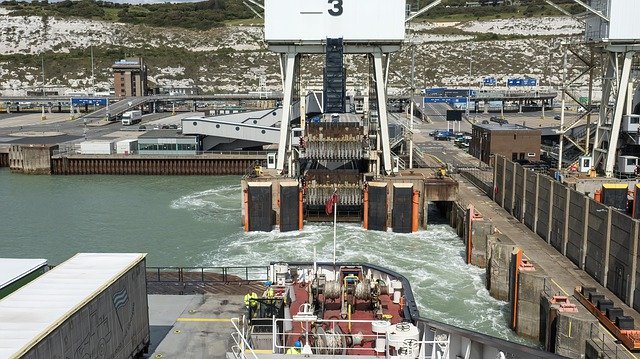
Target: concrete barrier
[499, 181]
[545, 193]
[480, 229]
[559, 220]
[499, 248]
[573, 330]
[623, 247]
[519, 192]
[598, 234]
[530, 215]
[577, 227]
[509, 186]
[531, 282]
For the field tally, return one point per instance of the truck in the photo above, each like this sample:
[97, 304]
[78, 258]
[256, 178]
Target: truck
[93, 305]
[131, 117]
[97, 147]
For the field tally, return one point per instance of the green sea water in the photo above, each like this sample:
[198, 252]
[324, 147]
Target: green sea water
[195, 221]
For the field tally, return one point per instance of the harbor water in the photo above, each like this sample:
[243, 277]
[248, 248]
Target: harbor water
[195, 221]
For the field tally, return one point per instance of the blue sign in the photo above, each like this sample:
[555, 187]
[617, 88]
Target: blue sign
[77, 101]
[489, 81]
[449, 100]
[522, 82]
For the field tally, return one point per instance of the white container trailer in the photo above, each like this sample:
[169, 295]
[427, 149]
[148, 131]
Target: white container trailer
[631, 123]
[97, 147]
[127, 147]
[94, 305]
[628, 165]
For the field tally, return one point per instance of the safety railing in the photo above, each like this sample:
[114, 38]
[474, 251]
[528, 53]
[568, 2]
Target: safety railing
[241, 345]
[330, 339]
[551, 288]
[207, 274]
[606, 344]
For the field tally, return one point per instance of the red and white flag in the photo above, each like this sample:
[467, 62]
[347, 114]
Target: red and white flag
[328, 207]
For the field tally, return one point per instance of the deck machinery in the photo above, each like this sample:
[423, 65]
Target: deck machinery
[336, 151]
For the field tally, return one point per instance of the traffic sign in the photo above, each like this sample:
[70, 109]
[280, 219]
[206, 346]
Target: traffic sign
[449, 100]
[522, 82]
[77, 101]
[489, 81]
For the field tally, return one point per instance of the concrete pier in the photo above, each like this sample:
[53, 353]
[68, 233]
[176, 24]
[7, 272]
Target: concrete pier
[530, 286]
[499, 249]
[31, 159]
[554, 274]
[4, 156]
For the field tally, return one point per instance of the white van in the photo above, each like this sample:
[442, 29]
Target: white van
[131, 117]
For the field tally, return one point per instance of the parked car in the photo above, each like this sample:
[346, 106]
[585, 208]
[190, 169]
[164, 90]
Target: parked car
[556, 117]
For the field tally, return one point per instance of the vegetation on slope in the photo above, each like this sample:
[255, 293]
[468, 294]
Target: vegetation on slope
[215, 13]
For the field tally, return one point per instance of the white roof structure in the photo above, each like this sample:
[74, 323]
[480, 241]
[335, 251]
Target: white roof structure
[12, 269]
[32, 312]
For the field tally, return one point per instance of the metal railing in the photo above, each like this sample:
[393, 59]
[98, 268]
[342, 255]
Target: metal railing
[241, 344]
[332, 333]
[605, 344]
[207, 274]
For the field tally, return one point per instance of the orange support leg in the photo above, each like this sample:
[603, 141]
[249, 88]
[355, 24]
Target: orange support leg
[300, 219]
[246, 212]
[365, 222]
[416, 211]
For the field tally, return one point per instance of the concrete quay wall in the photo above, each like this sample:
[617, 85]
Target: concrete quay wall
[4, 156]
[31, 159]
[571, 225]
[596, 238]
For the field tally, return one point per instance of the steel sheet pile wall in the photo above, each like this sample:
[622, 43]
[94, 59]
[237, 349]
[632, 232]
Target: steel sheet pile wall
[149, 165]
[499, 182]
[578, 204]
[519, 193]
[558, 216]
[544, 201]
[596, 240]
[621, 254]
[530, 199]
[508, 186]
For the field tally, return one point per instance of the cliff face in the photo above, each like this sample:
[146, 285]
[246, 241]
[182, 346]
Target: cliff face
[234, 58]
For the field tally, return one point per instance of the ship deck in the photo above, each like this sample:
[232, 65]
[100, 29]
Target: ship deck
[358, 322]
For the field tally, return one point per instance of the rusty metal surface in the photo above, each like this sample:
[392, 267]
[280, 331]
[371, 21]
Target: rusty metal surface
[219, 280]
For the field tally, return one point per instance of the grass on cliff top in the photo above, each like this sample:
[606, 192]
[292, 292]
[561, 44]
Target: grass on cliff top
[215, 13]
